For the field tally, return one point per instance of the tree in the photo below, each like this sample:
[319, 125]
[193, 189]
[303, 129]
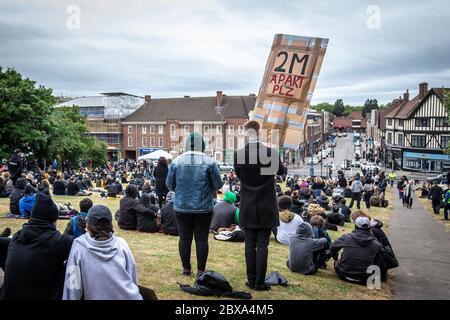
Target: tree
[24, 116]
[70, 139]
[339, 108]
[369, 105]
[324, 106]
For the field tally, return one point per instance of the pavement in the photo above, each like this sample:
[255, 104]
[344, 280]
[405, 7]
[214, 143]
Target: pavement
[421, 245]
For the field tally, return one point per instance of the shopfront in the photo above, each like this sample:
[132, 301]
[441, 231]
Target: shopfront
[425, 162]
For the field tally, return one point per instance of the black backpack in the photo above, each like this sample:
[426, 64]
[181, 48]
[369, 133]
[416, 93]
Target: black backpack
[211, 283]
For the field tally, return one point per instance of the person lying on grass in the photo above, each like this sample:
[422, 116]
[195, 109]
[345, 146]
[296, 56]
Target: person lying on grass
[100, 265]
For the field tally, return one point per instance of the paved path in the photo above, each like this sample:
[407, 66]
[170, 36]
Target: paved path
[422, 246]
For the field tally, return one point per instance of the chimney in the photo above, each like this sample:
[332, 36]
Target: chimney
[147, 98]
[406, 95]
[219, 99]
[423, 90]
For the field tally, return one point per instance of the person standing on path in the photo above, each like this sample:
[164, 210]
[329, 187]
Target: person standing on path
[436, 194]
[195, 179]
[356, 188]
[255, 166]
[408, 194]
[160, 174]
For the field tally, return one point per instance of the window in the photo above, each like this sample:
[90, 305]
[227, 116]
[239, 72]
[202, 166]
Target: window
[160, 129]
[130, 141]
[173, 131]
[418, 141]
[241, 143]
[422, 122]
[160, 142]
[218, 129]
[389, 138]
[219, 143]
[442, 122]
[230, 143]
[93, 112]
[401, 123]
[196, 128]
[152, 141]
[186, 129]
[130, 129]
[144, 129]
[444, 141]
[389, 122]
[231, 129]
[152, 129]
[206, 129]
[144, 141]
[400, 140]
[206, 139]
[241, 129]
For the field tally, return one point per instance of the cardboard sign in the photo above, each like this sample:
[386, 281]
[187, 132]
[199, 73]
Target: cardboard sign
[287, 87]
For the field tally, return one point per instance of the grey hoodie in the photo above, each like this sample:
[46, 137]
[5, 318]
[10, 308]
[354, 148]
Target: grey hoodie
[301, 248]
[100, 270]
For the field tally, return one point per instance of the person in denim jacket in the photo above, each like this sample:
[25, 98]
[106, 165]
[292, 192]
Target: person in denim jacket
[195, 177]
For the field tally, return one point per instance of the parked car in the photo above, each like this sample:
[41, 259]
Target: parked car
[339, 135]
[441, 179]
[314, 160]
[345, 134]
[369, 166]
[224, 166]
[344, 165]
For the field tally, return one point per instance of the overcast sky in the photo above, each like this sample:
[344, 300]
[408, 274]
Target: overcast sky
[171, 48]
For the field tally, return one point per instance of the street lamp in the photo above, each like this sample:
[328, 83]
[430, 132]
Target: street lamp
[311, 169]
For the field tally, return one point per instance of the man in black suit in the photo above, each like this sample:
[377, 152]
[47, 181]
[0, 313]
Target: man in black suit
[255, 166]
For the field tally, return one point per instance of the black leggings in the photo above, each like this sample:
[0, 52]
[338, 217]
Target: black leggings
[193, 226]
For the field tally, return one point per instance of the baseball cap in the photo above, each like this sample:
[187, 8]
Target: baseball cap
[98, 212]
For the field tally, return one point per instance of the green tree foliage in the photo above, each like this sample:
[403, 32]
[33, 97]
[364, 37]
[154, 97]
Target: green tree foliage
[24, 114]
[371, 104]
[339, 108]
[69, 139]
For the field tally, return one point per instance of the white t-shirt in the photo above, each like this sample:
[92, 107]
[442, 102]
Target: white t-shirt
[287, 230]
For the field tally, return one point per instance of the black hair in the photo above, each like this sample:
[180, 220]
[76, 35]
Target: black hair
[101, 230]
[85, 205]
[284, 202]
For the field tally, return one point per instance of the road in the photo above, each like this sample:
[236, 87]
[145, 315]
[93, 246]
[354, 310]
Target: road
[344, 150]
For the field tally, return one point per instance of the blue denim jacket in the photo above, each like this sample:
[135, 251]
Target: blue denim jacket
[193, 176]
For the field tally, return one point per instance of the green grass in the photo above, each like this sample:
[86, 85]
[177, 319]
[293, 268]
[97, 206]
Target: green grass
[159, 266]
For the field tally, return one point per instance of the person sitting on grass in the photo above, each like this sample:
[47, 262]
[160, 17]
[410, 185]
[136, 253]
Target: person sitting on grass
[146, 223]
[35, 266]
[130, 207]
[168, 216]
[16, 195]
[111, 188]
[289, 221]
[345, 210]
[360, 251]
[319, 231]
[304, 250]
[100, 265]
[59, 186]
[26, 203]
[224, 212]
[335, 217]
[77, 224]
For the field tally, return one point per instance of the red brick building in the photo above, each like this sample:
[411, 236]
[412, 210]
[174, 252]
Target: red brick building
[354, 122]
[164, 124]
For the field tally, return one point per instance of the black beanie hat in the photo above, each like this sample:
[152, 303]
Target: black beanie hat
[44, 208]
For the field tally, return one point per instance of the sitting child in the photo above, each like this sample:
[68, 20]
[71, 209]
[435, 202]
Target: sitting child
[77, 224]
[26, 203]
[100, 265]
[289, 221]
[318, 224]
[304, 250]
